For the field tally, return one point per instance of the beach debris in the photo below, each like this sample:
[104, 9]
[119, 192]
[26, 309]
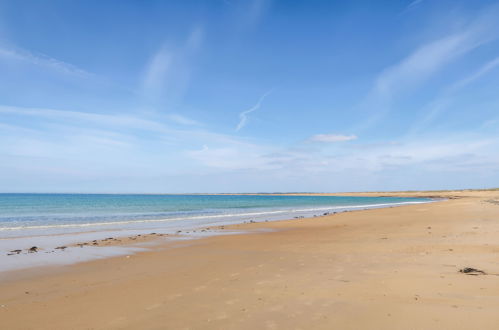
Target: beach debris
[33, 249]
[61, 247]
[14, 252]
[472, 271]
[326, 213]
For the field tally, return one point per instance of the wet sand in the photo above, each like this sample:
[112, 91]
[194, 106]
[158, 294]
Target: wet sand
[393, 268]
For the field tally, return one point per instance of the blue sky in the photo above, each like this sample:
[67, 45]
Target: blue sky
[248, 96]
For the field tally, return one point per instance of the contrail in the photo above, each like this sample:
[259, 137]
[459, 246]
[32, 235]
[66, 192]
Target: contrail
[243, 116]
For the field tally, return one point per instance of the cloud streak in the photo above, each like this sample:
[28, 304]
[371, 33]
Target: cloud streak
[168, 71]
[42, 61]
[243, 116]
[332, 138]
[407, 75]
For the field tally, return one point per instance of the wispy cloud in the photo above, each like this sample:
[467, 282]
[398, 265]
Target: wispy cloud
[232, 157]
[144, 126]
[412, 5]
[429, 58]
[446, 98]
[110, 120]
[156, 72]
[257, 9]
[331, 138]
[421, 64]
[243, 116]
[13, 54]
[179, 119]
[45, 143]
[167, 72]
[404, 77]
[483, 70]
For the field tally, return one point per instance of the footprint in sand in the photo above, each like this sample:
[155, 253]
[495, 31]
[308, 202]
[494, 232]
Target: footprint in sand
[199, 288]
[222, 316]
[270, 324]
[175, 296]
[151, 307]
[231, 302]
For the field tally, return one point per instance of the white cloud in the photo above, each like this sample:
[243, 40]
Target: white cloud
[243, 116]
[332, 138]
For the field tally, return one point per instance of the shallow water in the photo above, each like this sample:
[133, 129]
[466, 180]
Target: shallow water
[51, 220]
[45, 214]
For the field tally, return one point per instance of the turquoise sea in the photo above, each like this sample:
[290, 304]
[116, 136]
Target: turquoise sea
[22, 214]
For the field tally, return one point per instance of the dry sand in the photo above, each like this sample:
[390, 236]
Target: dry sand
[394, 268]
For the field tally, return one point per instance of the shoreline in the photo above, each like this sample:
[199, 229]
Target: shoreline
[66, 248]
[390, 268]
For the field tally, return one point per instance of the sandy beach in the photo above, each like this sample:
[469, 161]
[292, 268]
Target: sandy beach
[391, 268]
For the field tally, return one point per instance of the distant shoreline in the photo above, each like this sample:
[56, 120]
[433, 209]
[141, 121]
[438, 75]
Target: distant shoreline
[351, 193]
